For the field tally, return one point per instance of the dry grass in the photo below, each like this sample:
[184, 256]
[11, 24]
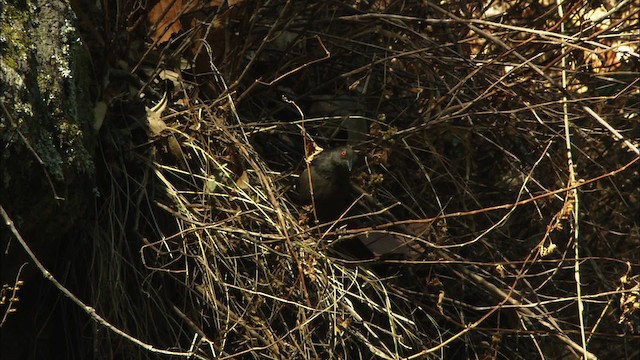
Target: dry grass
[485, 132]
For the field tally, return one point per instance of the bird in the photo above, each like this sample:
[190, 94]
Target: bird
[328, 175]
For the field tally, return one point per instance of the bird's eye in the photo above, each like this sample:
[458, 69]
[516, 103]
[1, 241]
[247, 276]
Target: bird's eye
[343, 154]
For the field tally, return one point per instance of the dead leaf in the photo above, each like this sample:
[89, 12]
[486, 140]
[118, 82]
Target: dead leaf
[243, 181]
[154, 116]
[164, 15]
[210, 185]
[313, 150]
[175, 149]
[99, 113]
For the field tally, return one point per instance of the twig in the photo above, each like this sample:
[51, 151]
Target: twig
[87, 309]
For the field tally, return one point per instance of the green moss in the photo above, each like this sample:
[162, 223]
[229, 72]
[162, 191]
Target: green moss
[46, 74]
[15, 41]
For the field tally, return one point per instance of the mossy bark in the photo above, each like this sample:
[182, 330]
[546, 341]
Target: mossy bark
[46, 162]
[45, 127]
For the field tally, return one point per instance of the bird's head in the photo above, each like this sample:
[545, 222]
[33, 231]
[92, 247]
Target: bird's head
[343, 157]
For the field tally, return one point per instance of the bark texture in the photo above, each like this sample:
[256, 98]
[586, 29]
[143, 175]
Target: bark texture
[46, 164]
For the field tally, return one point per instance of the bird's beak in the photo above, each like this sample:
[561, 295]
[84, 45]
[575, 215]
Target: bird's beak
[350, 164]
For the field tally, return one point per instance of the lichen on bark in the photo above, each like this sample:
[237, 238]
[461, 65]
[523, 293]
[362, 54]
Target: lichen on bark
[45, 120]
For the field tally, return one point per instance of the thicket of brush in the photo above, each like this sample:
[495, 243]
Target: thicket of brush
[501, 135]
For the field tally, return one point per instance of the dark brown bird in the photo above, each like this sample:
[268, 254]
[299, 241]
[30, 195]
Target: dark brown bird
[328, 174]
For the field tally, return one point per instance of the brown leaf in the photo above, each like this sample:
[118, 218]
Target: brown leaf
[243, 181]
[164, 15]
